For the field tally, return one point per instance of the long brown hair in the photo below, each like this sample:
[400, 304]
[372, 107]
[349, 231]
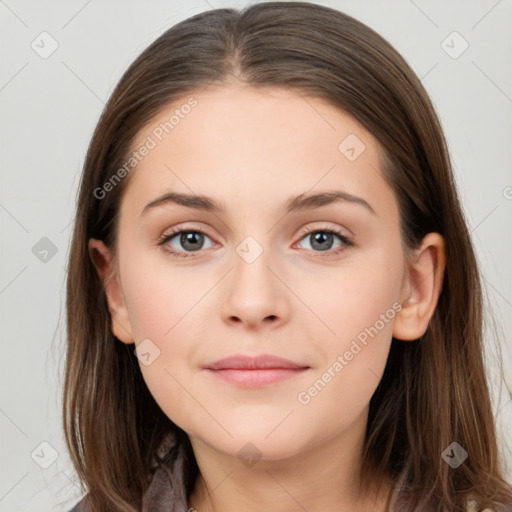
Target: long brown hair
[433, 392]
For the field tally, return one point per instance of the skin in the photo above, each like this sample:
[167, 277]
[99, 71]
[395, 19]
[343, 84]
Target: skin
[253, 150]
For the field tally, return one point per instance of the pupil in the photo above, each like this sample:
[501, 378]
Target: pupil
[320, 238]
[193, 238]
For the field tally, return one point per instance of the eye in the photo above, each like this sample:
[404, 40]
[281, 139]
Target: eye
[321, 240]
[190, 240]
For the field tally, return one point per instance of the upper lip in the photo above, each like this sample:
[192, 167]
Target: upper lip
[243, 362]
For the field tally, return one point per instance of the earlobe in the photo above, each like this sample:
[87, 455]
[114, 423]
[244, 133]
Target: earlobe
[108, 274]
[421, 288]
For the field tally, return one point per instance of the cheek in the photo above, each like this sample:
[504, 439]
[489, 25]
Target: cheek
[164, 307]
[360, 294]
[162, 296]
[359, 305]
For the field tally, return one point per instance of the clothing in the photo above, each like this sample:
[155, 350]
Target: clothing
[167, 492]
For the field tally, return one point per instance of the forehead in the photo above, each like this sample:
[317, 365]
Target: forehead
[234, 113]
[241, 143]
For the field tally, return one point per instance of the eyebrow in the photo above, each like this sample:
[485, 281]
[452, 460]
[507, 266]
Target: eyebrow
[299, 203]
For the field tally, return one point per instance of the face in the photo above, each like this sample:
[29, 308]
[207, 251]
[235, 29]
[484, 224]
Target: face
[317, 282]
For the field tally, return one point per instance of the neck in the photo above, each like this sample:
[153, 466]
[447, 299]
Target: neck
[324, 477]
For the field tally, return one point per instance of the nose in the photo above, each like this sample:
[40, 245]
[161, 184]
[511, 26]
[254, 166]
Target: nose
[253, 294]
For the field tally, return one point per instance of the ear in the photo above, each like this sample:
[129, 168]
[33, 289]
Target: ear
[423, 280]
[108, 273]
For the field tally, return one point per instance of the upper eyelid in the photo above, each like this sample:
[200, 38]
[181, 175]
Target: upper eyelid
[303, 232]
[179, 228]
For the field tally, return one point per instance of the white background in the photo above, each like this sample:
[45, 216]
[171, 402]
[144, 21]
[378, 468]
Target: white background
[49, 108]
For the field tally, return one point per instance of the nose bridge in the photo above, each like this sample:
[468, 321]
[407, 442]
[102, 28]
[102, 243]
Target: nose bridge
[250, 249]
[253, 257]
[254, 292]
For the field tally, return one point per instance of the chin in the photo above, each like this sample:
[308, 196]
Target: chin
[255, 443]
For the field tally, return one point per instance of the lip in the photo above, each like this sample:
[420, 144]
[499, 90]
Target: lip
[255, 371]
[260, 362]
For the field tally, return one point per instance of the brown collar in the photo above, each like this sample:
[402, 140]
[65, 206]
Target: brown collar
[167, 492]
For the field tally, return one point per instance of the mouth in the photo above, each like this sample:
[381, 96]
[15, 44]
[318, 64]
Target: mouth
[251, 372]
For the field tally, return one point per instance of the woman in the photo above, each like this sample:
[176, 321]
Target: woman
[215, 361]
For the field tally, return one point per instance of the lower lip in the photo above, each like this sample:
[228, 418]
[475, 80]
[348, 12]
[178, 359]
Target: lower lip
[257, 378]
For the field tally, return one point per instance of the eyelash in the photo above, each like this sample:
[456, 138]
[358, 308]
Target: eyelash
[166, 237]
